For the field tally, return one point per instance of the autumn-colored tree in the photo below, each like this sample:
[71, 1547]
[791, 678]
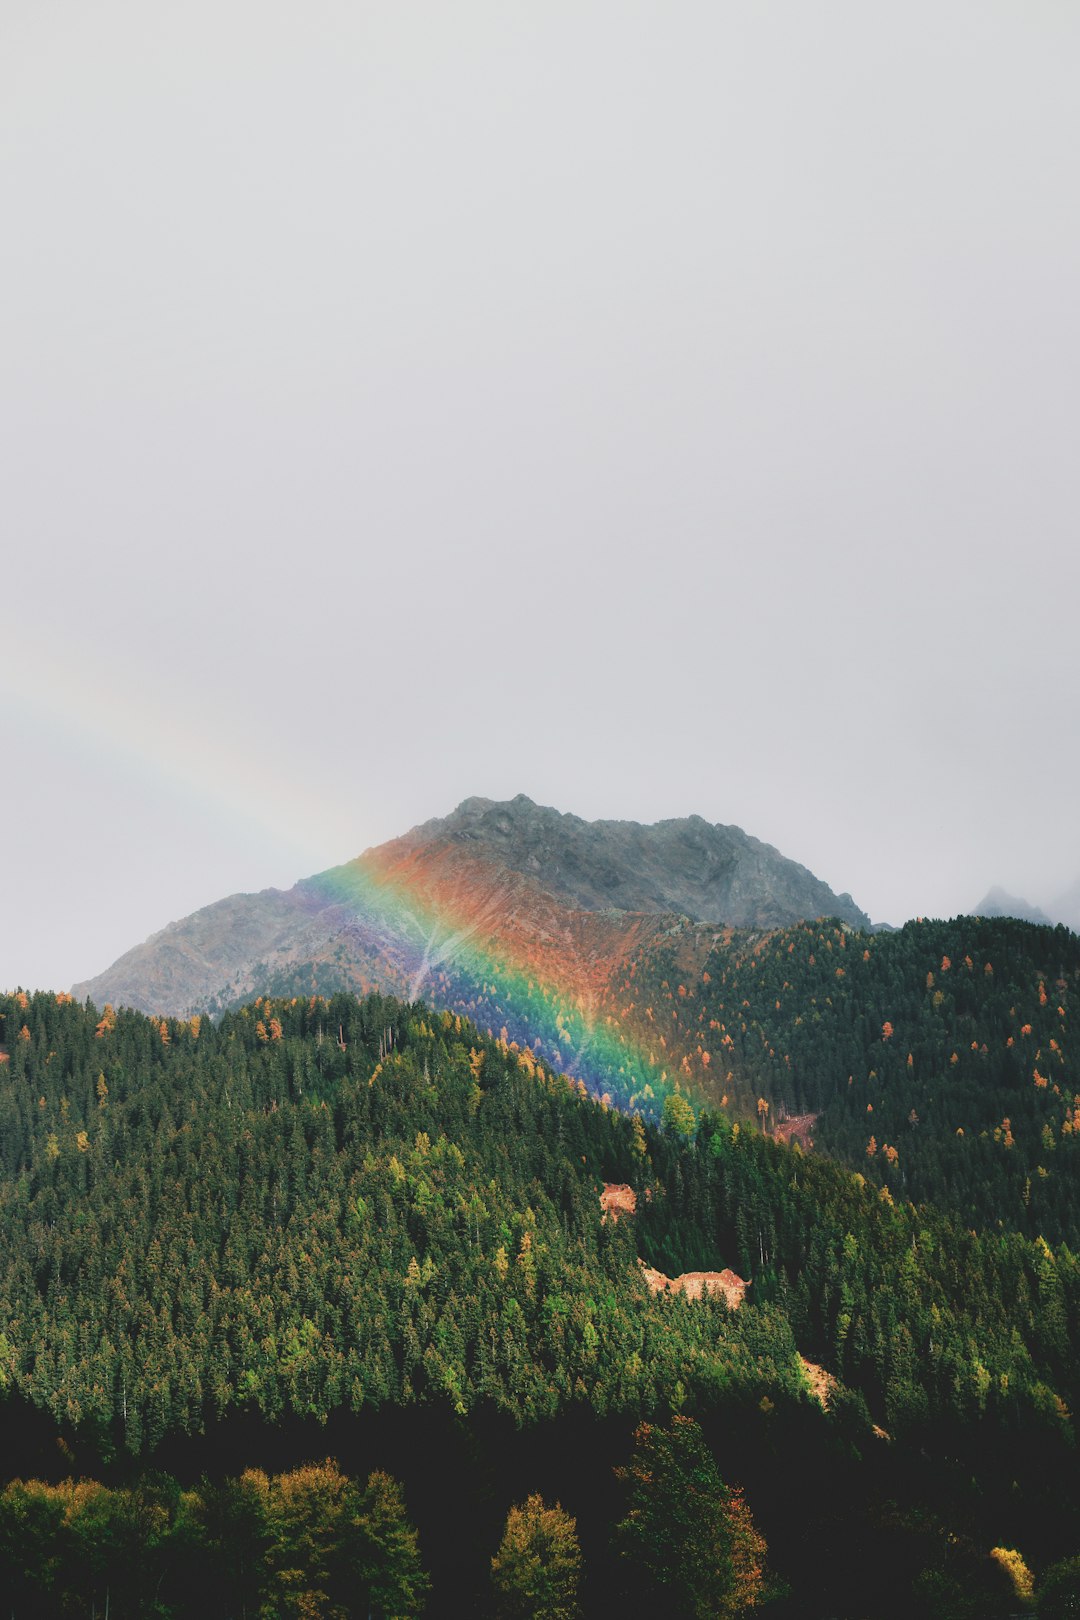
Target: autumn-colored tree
[748, 1550]
[306, 1511]
[536, 1571]
[1020, 1576]
[688, 1540]
[679, 1117]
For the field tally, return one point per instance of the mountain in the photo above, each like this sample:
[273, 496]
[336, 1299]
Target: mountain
[514, 879]
[998, 903]
[933, 1059]
[1066, 908]
[711, 873]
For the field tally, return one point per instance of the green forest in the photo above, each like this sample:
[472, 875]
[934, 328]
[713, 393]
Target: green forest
[312, 1308]
[937, 1058]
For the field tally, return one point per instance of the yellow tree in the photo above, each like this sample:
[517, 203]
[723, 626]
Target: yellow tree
[536, 1571]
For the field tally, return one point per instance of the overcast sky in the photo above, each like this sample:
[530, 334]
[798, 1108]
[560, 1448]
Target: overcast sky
[653, 408]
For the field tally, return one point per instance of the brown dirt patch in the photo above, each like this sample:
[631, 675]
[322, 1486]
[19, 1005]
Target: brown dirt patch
[694, 1284]
[618, 1198]
[800, 1128]
[821, 1383]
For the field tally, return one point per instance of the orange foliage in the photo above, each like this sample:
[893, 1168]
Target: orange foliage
[748, 1550]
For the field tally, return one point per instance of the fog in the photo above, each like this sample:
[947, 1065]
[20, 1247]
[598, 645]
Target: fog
[652, 408]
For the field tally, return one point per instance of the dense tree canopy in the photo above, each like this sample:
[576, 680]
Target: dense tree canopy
[303, 1544]
[315, 1210]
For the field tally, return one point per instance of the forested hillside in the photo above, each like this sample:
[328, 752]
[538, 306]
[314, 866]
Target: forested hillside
[938, 1059]
[371, 1214]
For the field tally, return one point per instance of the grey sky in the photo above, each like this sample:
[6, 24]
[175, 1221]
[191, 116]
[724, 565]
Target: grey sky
[651, 408]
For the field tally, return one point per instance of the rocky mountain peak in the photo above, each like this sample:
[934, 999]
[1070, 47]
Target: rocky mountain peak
[705, 871]
[509, 874]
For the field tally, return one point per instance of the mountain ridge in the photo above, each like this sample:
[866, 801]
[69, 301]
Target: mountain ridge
[1065, 909]
[634, 866]
[515, 873]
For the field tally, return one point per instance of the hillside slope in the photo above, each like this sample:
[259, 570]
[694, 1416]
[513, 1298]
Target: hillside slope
[314, 1205]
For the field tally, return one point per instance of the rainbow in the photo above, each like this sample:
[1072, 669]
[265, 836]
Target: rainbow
[150, 741]
[432, 939]
[441, 946]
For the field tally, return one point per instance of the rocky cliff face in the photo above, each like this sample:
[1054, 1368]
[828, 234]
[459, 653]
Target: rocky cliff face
[512, 881]
[710, 873]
